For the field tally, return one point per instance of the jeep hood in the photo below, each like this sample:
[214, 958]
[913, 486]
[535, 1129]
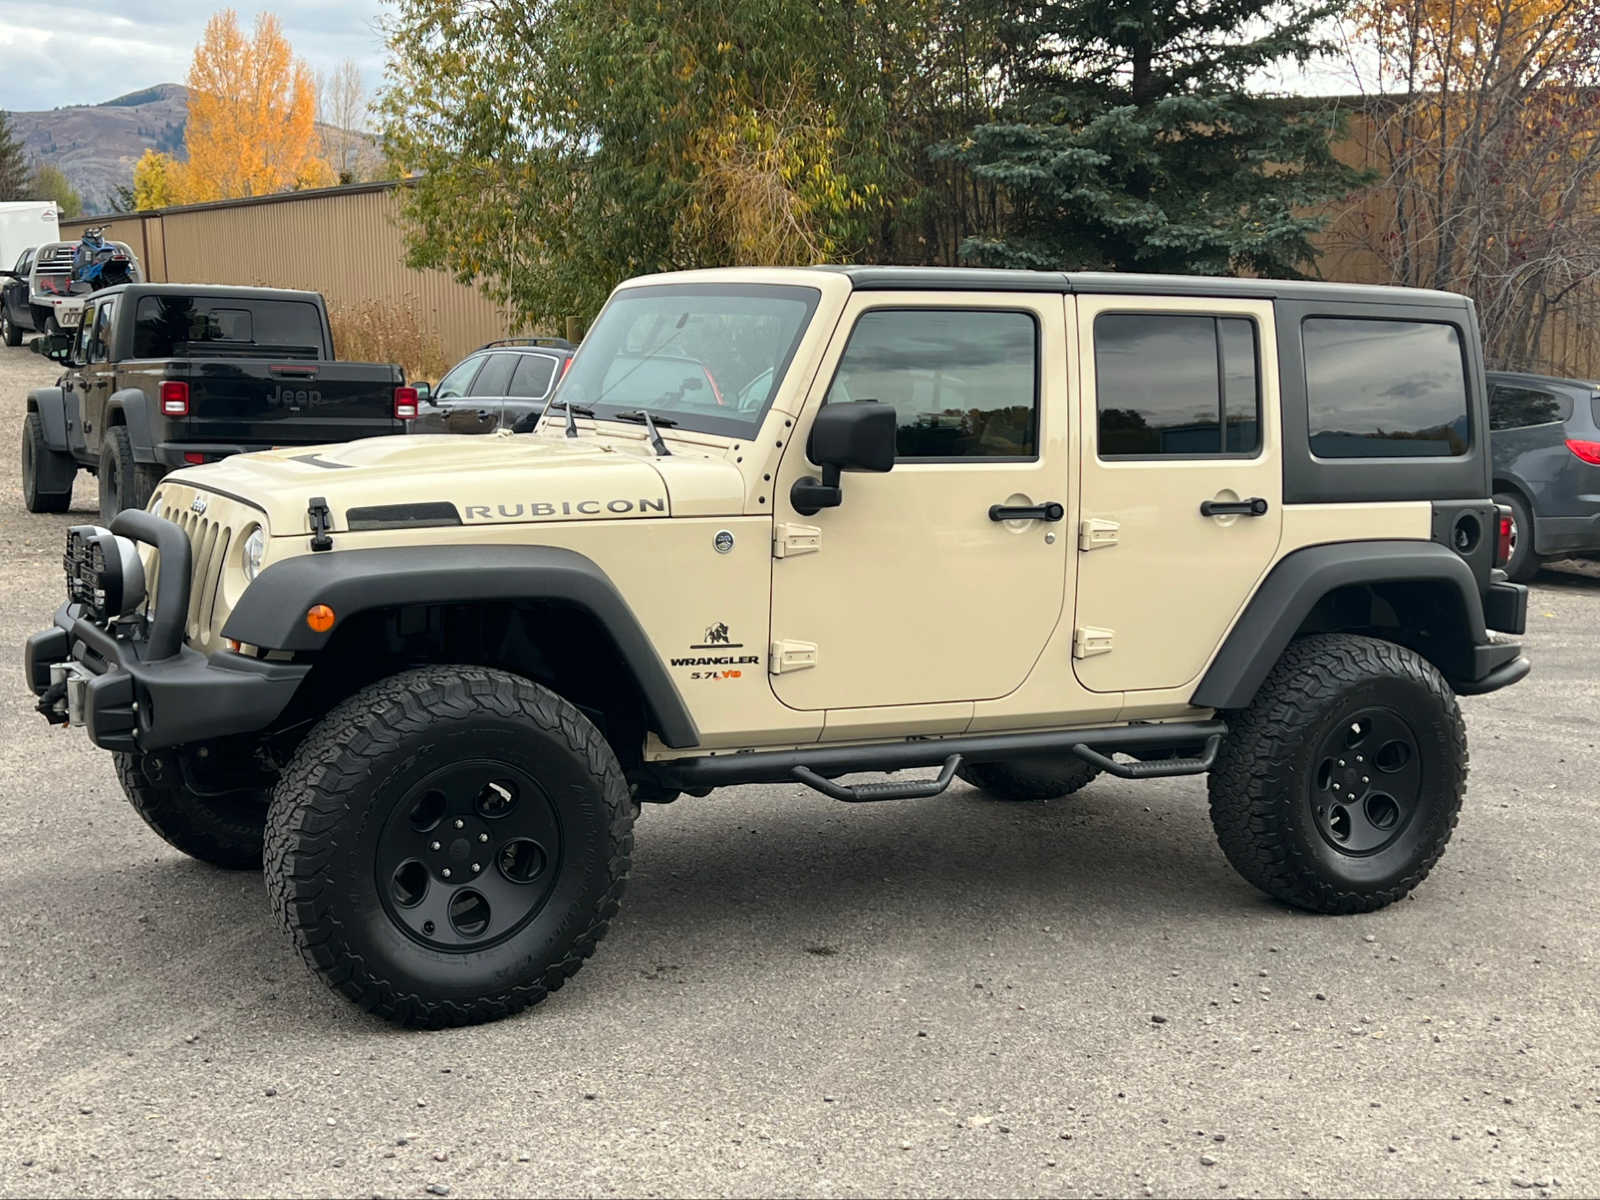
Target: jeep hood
[415, 480]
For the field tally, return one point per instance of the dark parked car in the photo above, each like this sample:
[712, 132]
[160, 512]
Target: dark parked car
[159, 376]
[504, 384]
[1545, 434]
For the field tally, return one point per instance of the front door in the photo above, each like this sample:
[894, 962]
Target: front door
[908, 592]
[1181, 482]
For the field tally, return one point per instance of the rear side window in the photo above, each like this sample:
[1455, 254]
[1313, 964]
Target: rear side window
[495, 377]
[1385, 389]
[532, 377]
[964, 384]
[1176, 385]
[171, 326]
[1514, 407]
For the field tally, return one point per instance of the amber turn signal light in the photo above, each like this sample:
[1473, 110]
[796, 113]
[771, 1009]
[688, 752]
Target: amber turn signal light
[320, 618]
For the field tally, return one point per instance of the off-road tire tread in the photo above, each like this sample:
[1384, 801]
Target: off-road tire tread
[1013, 782]
[342, 749]
[190, 823]
[33, 499]
[1247, 793]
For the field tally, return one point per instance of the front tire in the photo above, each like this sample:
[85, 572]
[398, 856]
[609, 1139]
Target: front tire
[47, 474]
[448, 845]
[1337, 789]
[9, 332]
[223, 830]
[1027, 779]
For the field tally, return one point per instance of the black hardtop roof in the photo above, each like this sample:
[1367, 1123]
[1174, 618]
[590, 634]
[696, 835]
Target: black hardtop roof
[978, 279]
[1585, 385]
[223, 291]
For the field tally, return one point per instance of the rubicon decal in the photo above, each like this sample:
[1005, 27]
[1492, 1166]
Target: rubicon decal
[535, 509]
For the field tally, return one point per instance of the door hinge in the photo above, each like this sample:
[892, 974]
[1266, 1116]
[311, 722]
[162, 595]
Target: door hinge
[791, 656]
[1096, 533]
[790, 540]
[1090, 640]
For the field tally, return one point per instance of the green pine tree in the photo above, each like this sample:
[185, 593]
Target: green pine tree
[15, 175]
[1134, 145]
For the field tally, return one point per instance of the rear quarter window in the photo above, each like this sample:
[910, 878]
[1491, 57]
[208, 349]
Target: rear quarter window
[1385, 389]
[172, 326]
[1514, 406]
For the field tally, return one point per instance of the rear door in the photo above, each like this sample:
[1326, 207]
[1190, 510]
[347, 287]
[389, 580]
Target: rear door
[530, 385]
[1181, 482]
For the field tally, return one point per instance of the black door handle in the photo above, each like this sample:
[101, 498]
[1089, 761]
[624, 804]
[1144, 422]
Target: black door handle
[1253, 507]
[1048, 511]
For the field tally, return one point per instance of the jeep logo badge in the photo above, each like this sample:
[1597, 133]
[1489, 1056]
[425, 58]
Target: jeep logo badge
[199, 506]
[723, 541]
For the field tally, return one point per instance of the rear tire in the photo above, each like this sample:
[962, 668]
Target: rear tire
[124, 483]
[449, 844]
[1524, 563]
[1337, 789]
[47, 474]
[225, 831]
[1025, 779]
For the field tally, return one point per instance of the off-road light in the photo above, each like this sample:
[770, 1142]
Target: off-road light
[255, 549]
[319, 617]
[174, 396]
[104, 572]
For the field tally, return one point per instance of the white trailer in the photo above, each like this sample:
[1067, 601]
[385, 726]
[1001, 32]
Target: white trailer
[25, 224]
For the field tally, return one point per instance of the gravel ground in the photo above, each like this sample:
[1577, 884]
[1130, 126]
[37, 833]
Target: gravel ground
[938, 996]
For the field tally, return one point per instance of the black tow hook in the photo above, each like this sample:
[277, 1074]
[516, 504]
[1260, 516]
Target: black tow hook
[49, 699]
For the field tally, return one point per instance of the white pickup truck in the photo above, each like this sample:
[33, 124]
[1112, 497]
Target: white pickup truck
[38, 293]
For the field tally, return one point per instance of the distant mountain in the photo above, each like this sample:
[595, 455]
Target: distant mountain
[96, 145]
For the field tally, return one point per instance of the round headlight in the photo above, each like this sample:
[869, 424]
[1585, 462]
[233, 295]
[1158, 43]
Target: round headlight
[255, 549]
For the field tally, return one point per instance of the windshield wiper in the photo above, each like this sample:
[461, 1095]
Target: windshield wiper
[650, 423]
[578, 409]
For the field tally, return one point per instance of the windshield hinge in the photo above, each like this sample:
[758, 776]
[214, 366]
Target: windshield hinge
[790, 540]
[321, 524]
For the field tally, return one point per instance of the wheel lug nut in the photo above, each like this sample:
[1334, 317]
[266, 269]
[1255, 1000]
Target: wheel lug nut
[460, 822]
[476, 868]
[1341, 762]
[445, 872]
[483, 837]
[433, 845]
[1364, 779]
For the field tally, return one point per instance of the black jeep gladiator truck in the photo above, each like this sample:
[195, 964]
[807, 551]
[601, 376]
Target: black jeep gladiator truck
[161, 376]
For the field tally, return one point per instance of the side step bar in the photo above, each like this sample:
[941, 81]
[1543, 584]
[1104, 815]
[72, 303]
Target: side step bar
[1162, 746]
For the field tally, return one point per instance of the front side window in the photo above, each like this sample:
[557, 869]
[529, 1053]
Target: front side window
[100, 336]
[691, 353]
[1385, 389]
[1170, 384]
[495, 377]
[1513, 407]
[82, 336]
[963, 382]
[454, 384]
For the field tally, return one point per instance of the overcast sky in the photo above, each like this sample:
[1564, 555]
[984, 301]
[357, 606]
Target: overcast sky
[68, 52]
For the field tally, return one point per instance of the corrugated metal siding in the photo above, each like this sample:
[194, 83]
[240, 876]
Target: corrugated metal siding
[346, 245]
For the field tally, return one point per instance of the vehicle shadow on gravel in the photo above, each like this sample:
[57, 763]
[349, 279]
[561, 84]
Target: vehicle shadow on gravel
[1571, 576]
[796, 882]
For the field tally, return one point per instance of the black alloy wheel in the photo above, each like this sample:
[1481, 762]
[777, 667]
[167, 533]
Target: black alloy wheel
[1368, 782]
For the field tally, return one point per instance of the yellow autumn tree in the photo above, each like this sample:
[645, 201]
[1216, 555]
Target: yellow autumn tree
[252, 115]
[159, 180]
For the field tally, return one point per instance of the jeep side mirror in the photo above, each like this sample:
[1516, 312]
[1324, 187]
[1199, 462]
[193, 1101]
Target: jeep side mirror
[54, 346]
[857, 436]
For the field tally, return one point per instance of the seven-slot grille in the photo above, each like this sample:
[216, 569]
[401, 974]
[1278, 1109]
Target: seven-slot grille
[208, 548]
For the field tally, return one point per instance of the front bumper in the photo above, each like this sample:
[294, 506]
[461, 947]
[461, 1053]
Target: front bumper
[135, 685]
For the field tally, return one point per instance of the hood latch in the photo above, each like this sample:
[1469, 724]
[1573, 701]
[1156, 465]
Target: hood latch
[321, 524]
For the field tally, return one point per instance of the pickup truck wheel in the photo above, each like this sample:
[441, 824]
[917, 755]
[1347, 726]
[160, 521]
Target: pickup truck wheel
[1337, 789]
[1029, 778]
[8, 330]
[225, 831]
[46, 474]
[123, 482]
[448, 845]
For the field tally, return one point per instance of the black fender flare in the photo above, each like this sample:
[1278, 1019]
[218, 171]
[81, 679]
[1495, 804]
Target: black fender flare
[271, 613]
[51, 405]
[1302, 578]
[134, 406]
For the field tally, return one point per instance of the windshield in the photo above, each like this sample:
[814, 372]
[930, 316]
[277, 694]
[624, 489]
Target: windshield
[708, 357]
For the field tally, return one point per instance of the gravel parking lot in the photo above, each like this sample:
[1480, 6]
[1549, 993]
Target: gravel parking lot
[936, 996]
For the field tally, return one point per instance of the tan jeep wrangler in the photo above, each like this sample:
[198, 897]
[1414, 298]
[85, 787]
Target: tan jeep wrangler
[798, 525]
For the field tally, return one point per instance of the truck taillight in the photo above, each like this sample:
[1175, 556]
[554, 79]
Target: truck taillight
[174, 397]
[1503, 543]
[405, 404]
[1588, 451]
